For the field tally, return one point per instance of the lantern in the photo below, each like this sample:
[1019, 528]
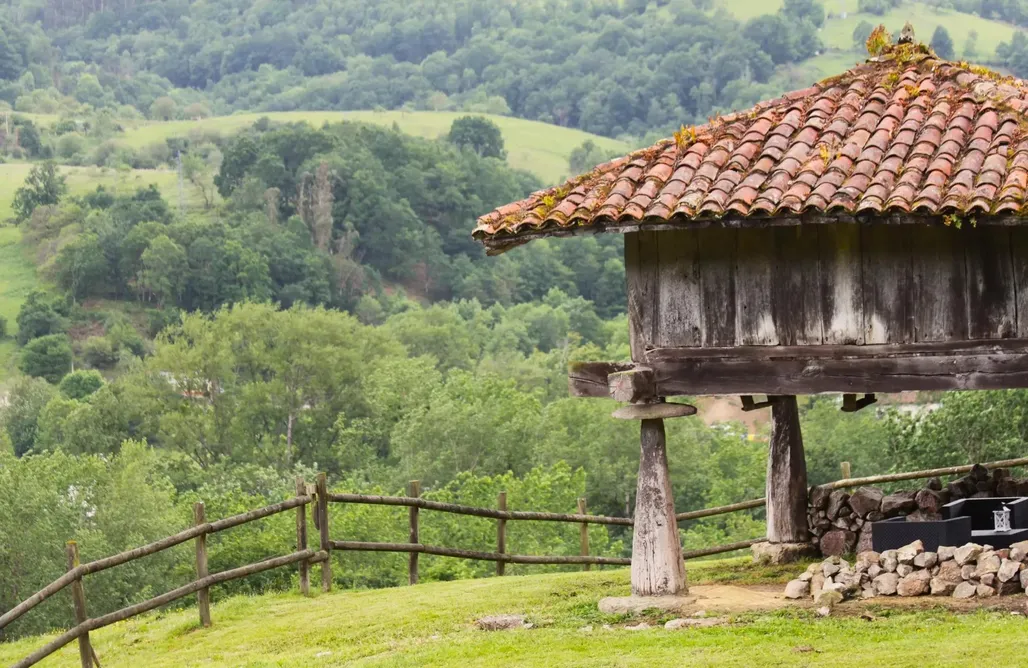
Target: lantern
[1001, 518]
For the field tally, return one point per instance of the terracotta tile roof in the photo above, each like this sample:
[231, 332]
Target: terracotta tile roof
[904, 133]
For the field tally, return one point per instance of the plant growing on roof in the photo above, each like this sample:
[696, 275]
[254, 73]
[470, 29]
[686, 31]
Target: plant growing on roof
[685, 137]
[878, 41]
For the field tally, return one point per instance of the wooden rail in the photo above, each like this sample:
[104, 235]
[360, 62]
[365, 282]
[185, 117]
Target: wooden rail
[319, 498]
[120, 615]
[131, 555]
[425, 504]
[915, 475]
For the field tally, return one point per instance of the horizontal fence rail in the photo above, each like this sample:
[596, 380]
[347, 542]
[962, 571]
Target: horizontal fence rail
[164, 599]
[916, 475]
[424, 504]
[489, 513]
[144, 551]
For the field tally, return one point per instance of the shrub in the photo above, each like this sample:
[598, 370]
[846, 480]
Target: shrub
[80, 384]
[100, 352]
[48, 357]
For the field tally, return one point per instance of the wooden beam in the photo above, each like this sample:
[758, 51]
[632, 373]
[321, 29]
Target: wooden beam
[632, 387]
[786, 475]
[787, 370]
[589, 379]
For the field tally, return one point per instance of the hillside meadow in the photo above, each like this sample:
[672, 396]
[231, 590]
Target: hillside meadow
[540, 148]
[433, 625]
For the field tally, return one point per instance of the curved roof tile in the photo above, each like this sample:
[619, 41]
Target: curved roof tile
[903, 133]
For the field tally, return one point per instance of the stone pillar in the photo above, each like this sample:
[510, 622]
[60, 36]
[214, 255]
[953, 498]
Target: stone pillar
[657, 565]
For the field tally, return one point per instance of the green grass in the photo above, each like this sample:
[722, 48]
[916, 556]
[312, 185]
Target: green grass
[537, 147]
[431, 625]
[838, 32]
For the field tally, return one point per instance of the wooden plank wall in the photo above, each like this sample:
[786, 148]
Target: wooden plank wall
[831, 284]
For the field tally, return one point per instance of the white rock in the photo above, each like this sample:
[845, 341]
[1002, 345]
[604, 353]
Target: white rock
[1019, 551]
[1009, 569]
[906, 554]
[903, 570]
[885, 584]
[678, 624]
[946, 552]
[915, 584]
[926, 560]
[965, 554]
[797, 589]
[965, 590]
[641, 626]
[985, 591]
[500, 622]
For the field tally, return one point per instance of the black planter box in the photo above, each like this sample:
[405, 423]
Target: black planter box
[965, 521]
[897, 532]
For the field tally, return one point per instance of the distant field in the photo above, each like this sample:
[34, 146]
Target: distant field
[533, 146]
[838, 32]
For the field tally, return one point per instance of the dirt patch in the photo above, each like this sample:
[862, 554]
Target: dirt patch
[727, 599]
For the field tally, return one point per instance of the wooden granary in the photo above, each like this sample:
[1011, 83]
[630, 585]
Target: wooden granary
[867, 234]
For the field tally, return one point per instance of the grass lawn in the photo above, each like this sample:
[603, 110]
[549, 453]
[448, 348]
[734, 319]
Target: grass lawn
[431, 625]
[533, 146]
[838, 32]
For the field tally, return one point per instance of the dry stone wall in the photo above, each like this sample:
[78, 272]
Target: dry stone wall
[968, 571]
[840, 520]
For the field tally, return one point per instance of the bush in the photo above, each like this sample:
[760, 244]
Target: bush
[41, 314]
[99, 352]
[48, 357]
[80, 384]
[3, 327]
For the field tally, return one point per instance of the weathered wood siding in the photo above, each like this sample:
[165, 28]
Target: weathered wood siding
[832, 284]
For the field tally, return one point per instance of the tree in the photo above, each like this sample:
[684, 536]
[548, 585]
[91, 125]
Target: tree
[80, 384]
[81, 267]
[583, 158]
[163, 109]
[20, 416]
[810, 10]
[164, 270]
[480, 134]
[44, 186]
[48, 357]
[41, 314]
[971, 45]
[942, 43]
[200, 173]
[861, 33]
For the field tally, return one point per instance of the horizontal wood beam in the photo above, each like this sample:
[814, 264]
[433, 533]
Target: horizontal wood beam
[590, 379]
[632, 387]
[978, 365]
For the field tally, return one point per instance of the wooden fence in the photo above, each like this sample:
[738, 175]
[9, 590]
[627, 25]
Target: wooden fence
[304, 557]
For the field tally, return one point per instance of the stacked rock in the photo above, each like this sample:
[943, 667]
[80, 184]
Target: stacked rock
[962, 572]
[840, 523]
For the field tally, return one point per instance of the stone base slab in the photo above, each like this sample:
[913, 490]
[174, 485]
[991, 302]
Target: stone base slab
[784, 553]
[627, 605]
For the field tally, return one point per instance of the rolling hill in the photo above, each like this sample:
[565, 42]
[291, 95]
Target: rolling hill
[539, 148]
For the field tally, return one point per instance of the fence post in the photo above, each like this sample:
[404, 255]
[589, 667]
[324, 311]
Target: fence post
[203, 597]
[78, 597]
[501, 533]
[844, 468]
[326, 545]
[583, 532]
[301, 538]
[414, 491]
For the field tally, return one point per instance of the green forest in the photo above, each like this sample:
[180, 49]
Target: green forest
[298, 298]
